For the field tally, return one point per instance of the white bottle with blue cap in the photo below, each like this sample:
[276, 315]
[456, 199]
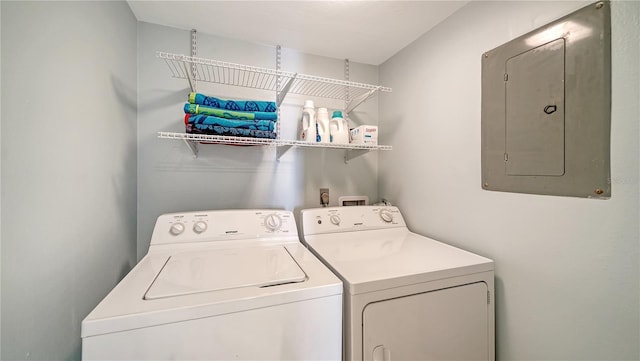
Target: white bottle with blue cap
[339, 129]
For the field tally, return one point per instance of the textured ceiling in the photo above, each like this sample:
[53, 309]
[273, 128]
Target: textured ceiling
[363, 31]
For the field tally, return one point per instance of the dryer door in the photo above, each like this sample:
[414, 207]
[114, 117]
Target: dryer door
[448, 324]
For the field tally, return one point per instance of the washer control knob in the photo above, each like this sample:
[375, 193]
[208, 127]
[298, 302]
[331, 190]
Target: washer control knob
[335, 219]
[176, 228]
[200, 226]
[386, 215]
[273, 222]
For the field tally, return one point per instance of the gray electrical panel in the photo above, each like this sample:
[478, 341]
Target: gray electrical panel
[546, 109]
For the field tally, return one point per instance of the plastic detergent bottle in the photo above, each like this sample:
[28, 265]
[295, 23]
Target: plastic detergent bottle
[309, 132]
[322, 123]
[338, 128]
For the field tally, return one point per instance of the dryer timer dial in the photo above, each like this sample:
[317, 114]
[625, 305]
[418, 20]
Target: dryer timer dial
[386, 215]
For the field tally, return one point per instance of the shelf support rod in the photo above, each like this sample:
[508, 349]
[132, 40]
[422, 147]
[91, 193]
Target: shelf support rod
[357, 101]
[194, 52]
[346, 88]
[278, 83]
[347, 96]
[193, 146]
[281, 91]
[281, 149]
[354, 153]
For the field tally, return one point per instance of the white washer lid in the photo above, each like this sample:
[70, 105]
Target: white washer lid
[125, 308]
[215, 270]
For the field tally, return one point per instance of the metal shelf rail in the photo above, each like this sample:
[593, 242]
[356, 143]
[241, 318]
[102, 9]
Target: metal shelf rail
[352, 150]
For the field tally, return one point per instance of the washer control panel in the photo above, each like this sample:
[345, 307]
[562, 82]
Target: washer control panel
[344, 219]
[223, 225]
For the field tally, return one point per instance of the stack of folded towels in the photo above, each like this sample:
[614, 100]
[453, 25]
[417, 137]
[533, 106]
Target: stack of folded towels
[250, 118]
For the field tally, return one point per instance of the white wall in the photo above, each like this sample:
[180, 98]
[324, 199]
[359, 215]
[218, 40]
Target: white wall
[566, 268]
[68, 168]
[171, 180]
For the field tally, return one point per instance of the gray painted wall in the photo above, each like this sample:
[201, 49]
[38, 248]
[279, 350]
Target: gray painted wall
[566, 268]
[171, 180]
[68, 168]
[0, 192]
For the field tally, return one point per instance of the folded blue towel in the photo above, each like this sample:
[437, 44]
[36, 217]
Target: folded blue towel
[235, 132]
[238, 105]
[228, 114]
[230, 123]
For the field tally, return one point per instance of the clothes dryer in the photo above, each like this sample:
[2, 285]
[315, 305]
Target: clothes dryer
[220, 285]
[406, 296]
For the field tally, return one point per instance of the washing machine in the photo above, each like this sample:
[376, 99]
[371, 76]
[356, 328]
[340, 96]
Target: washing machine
[221, 285]
[406, 296]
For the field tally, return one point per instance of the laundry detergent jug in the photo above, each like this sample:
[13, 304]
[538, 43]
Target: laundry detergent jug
[322, 124]
[309, 131]
[338, 128]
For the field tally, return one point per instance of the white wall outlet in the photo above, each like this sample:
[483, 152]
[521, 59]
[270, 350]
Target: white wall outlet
[324, 197]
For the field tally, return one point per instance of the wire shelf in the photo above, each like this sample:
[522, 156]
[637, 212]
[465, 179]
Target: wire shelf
[220, 72]
[223, 139]
[282, 83]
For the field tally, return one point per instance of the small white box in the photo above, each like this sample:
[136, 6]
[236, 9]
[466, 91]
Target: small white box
[365, 134]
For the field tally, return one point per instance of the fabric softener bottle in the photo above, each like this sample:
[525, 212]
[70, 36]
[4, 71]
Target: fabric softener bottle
[309, 126]
[322, 122]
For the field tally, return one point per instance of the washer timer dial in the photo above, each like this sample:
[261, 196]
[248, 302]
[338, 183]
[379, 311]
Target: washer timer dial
[176, 228]
[273, 222]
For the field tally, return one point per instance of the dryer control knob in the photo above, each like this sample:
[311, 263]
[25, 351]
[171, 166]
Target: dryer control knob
[335, 219]
[176, 229]
[386, 215]
[273, 222]
[200, 227]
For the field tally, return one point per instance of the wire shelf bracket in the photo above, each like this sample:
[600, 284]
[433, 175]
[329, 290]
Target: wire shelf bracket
[354, 153]
[193, 146]
[280, 150]
[354, 103]
[285, 89]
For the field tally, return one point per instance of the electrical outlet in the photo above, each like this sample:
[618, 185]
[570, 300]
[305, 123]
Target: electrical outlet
[324, 197]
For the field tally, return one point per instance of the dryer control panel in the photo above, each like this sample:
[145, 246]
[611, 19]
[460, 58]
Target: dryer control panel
[345, 219]
[223, 225]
